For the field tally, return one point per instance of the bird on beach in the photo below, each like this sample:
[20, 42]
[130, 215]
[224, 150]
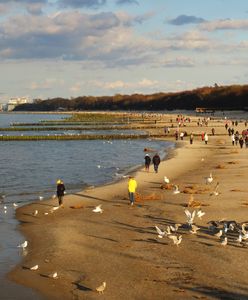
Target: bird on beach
[166, 179]
[194, 229]
[98, 209]
[224, 242]
[53, 275]
[190, 216]
[5, 207]
[175, 227]
[176, 239]
[209, 179]
[219, 234]
[54, 208]
[23, 245]
[176, 189]
[200, 214]
[15, 205]
[100, 289]
[54, 196]
[35, 213]
[34, 268]
[160, 232]
[215, 191]
[41, 198]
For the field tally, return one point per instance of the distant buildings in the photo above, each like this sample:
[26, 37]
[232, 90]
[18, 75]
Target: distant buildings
[13, 102]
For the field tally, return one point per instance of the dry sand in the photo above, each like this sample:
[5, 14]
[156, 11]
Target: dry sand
[121, 247]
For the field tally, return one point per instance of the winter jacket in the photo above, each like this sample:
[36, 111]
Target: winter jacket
[60, 189]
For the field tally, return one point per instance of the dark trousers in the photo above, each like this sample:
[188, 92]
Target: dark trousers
[60, 198]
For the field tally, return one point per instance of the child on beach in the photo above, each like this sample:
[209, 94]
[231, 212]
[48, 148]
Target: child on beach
[132, 185]
[60, 191]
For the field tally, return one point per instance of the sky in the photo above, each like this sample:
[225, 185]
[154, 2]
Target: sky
[71, 48]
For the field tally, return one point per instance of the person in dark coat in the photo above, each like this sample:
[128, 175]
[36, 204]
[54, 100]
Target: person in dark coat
[147, 162]
[156, 162]
[60, 191]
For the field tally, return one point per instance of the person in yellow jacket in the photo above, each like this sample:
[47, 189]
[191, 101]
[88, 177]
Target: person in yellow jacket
[132, 185]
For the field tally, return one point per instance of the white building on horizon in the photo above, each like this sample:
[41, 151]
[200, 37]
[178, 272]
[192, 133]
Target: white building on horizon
[13, 102]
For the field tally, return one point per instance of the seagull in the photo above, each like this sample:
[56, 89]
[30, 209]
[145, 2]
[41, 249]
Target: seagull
[176, 240]
[98, 209]
[15, 205]
[176, 189]
[34, 268]
[166, 179]
[23, 245]
[160, 232]
[54, 196]
[101, 288]
[5, 207]
[54, 208]
[98, 166]
[41, 198]
[190, 217]
[200, 214]
[35, 213]
[46, 213]
[219, 234]
[54, 275]
[175, 227]
[194, 229]
[215, 192]
[224, 242]
[209, 179]
[239, 239]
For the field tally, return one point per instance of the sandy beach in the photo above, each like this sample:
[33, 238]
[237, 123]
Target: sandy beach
[121, 246]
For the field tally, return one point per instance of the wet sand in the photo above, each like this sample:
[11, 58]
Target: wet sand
[121, 246]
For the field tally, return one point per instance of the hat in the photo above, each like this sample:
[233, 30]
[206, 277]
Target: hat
[58, 181]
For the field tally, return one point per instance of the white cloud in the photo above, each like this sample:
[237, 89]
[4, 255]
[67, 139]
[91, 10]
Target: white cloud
[227, 24]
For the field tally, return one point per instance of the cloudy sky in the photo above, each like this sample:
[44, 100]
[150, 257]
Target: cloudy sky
[68, 48]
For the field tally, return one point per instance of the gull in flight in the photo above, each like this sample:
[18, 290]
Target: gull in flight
[166, 179]
[54, 275]
[194, 229]
[219, 234]
[176, 189]
[200, 214]
[15, 205]
[5, 207]
[209, 179]
[176, 240]
[98, 209]
[101, 288]
[190, 217]
[23, 245]
[224, 242]
[34, 268]
[160, 232]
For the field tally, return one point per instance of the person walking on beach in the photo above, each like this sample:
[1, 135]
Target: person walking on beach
[241, 142]
[191, 138]
[233, 139]
[206, 138]
[60, 191]
[132, 185]
[147, 162]
[156, 162]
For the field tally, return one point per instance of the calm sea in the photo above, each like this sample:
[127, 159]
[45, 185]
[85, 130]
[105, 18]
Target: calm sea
[29, 170]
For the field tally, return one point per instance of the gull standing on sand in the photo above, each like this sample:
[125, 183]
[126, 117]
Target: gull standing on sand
[224, 242]
[175, 227]
[101, 288]
[166, 179]
[176, 189]
[41, 198]
[98, 209]
[160, 232]
[215, 191]
[15, 205]
[53, 275]
[34, 268]
[35, 213]
[209, 179]
[219, 234]
[23, 245]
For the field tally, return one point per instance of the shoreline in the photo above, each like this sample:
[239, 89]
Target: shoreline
[87, 249]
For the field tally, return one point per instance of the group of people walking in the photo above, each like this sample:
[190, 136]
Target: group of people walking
[155, 160]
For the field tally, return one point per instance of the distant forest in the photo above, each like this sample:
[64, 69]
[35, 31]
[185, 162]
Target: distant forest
[234, 97]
